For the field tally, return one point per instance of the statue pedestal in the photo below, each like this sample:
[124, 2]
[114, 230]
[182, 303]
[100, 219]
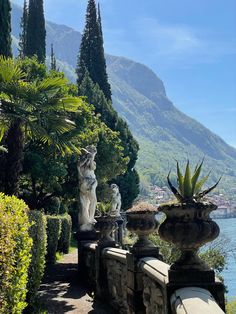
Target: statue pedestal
[84, 237]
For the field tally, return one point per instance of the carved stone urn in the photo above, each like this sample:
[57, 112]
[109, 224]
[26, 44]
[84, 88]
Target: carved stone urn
[105, 225]
[142, 221]
[188, 226]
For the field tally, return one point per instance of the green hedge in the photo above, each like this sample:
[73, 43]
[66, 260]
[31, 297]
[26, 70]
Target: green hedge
[15, 247]
[64, 240]
[38, 234]
[53, 235]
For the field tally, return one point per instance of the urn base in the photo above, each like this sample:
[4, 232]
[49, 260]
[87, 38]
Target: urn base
[193, 276]
[189, 260]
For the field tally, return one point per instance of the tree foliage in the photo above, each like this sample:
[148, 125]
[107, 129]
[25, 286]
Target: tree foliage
[91, 57]
[35, 31]
[5, 28]
[23, 34]
[33, 109]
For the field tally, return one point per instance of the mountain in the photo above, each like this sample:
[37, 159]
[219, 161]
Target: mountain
[163, 132]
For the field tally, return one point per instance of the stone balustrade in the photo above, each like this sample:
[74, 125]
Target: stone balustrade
[141, 285]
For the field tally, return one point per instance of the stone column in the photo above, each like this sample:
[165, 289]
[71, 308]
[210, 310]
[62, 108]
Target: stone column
[84, 237]
[101, 276]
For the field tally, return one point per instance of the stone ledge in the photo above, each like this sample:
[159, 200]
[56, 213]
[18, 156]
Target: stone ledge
[155, 269]
[194, 300]
[90, 245]
[117, 254]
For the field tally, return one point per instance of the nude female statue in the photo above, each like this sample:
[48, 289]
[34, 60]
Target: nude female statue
[87, 186]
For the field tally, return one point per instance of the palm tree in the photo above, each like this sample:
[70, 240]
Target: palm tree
[37, 109]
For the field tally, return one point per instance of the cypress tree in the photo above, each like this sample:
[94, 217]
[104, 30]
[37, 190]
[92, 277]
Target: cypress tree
[5, 28]
[100, 23]
[91, 56]
[23, 25]
[36, 32]
[53, 59]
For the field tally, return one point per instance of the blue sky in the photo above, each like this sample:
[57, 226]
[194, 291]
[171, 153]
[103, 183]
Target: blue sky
[191, 45]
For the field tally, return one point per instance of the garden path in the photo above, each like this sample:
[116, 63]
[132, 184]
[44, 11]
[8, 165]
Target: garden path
[61, 292]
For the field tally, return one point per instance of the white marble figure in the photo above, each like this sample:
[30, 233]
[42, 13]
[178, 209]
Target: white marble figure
[115, 201]
[87, 185]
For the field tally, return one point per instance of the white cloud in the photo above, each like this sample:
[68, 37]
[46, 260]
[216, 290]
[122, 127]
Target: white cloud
[169, 38]
[180, 41]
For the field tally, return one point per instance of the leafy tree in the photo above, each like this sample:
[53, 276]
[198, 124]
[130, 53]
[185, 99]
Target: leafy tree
[36, 109]
[91, 56]
[35, 31]
[5, 28]
[23, 35]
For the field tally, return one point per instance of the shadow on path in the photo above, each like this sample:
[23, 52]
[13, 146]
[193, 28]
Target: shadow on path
[61, 292]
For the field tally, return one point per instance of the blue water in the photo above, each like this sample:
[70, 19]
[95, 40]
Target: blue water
[228, 230]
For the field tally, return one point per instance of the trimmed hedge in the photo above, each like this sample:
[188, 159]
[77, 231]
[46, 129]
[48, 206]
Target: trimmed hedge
[53, 235]
[64, 240]
[15, 247]
[38, 234]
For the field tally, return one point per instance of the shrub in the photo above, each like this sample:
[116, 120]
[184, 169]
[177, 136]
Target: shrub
[231, 307]
[53, 235]
[15, 247]
[64, 240]
[38, 234]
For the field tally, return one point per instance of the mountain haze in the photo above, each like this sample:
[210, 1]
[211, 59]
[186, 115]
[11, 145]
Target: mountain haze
[163, 132]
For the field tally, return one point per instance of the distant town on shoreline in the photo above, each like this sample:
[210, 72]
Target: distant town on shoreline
[226, 208]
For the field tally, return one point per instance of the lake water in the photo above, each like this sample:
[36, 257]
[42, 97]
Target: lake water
[228, 229]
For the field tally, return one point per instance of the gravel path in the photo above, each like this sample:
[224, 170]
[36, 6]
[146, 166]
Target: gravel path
[61, 292]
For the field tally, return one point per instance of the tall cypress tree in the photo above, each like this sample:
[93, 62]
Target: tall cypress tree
[36, 32]
[91, 57]
[23, 25]
[5, 28]
[53, 59]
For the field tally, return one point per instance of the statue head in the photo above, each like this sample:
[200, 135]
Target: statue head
[92, 149]
[115, 189]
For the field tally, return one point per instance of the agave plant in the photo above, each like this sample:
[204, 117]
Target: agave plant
[190, 186]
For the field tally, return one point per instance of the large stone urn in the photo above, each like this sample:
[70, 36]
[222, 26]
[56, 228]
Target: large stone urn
[105, 225]
[142, 221]
[188, 226]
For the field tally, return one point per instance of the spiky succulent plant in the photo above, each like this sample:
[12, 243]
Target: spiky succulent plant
[190, 186]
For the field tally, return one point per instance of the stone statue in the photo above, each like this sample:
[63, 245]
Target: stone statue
[87, 185]
[115, 201]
